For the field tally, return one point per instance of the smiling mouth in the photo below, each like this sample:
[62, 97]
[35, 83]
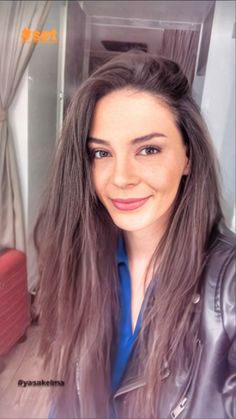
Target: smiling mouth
[129, 204]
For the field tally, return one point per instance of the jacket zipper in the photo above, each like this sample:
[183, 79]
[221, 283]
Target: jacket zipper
[179, 408]
[182, 404]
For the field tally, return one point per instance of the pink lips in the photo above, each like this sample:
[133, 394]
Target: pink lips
[129, 204]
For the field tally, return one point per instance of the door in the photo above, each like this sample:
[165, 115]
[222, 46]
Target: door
[77, 49]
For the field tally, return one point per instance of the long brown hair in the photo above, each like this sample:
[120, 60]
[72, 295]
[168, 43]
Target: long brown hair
[76, 243]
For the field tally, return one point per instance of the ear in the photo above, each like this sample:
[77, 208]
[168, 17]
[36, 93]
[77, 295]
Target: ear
[187, 168]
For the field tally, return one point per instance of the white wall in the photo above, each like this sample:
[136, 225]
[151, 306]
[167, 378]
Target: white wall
[18, 123]
[218, 100]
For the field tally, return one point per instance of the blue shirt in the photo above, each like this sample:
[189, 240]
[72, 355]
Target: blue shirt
[126, 338]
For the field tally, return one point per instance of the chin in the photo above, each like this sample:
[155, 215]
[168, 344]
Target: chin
[142, 221]
[130, 225]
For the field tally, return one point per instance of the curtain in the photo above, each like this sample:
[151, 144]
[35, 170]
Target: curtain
[182, 46]
[14, 58]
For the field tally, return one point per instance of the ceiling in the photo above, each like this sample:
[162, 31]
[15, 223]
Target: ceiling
[178, 11]
[144, 22]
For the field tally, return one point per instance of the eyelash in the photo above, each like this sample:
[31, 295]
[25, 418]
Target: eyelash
[94, 151]
[157, 150]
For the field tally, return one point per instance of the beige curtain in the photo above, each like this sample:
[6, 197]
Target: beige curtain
[14, 58]
[182, 46]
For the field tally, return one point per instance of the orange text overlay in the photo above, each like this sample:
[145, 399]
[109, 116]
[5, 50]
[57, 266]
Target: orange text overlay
[48, 37]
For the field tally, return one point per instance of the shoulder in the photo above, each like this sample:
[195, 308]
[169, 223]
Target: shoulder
[223, 245]
[221, 253]
[220, 278]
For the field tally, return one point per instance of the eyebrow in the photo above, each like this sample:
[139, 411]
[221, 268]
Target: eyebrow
[134, 141]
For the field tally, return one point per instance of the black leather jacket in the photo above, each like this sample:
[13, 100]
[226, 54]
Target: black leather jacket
[208, 391]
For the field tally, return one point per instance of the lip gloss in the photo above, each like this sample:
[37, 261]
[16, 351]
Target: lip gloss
[129, 204]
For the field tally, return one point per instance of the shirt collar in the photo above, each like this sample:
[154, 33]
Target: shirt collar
[121, 255]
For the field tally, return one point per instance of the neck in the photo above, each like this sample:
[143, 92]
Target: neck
[141, 244]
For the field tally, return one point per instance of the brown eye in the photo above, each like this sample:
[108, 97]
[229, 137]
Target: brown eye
[149, 150]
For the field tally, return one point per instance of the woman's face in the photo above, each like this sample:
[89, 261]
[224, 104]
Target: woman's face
[138, 158]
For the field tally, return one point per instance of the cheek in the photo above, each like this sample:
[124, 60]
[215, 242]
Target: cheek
[165, 179]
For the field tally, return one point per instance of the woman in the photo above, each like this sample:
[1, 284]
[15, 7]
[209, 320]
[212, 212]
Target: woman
[136, 296]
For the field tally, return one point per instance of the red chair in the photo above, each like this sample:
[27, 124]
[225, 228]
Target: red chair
[14, 298]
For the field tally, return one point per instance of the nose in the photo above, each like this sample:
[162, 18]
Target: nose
[125, 172]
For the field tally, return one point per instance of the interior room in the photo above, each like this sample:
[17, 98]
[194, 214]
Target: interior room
[48, 49]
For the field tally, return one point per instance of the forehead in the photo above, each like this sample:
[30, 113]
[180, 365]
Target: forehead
[129, 112]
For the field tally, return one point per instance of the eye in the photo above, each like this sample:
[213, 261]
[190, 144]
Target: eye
[149, 150]
[99, 154]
